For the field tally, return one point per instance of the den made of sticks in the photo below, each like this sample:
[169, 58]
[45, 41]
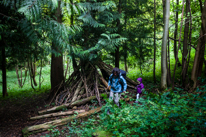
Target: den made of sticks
[110, 68]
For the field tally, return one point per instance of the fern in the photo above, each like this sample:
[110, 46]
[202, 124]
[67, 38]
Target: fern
[40, 25]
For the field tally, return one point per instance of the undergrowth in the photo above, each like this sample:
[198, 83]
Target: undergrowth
[173, 113]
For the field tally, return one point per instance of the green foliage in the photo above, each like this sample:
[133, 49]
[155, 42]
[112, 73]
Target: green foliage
[15, 92]
[165, 114]
[40, 26]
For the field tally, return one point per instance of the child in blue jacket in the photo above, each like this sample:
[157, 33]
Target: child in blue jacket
[118, 85]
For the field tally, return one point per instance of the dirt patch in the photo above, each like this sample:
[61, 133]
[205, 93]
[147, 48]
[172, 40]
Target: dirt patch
[15, 114]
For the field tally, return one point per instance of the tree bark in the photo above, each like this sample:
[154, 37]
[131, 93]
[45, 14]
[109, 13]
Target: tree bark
[154, 77]
[169, 82]
[185, 46]
[199, 54]
[173, 81]
[119, 31]
[164, 47]
[57, 114]
[2, 43]
[58, 122]
[57, 71]
[175, 36]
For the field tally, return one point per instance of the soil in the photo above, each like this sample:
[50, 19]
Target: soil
[15, 114]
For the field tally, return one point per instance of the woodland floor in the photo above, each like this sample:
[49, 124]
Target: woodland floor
[15, 114]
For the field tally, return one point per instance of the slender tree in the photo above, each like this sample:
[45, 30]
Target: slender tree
[185, 45]
[154, 77]
[119, 31]
[57, 76]
[199, 54]
[2, 43]
[176, 34]
[164, 47]
[178, 46]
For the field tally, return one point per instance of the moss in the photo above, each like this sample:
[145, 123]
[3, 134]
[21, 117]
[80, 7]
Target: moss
[100, 133]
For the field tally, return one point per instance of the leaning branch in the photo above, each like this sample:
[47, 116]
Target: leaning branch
[59, 122]
[57, 114]
[76, 103]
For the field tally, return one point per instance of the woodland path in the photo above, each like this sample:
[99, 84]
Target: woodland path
[15, 114]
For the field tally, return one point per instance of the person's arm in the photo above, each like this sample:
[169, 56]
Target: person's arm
[124, 83]
[109, 81]
[142, 85]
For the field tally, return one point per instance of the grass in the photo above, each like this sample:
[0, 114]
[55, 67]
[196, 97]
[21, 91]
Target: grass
[15, 91]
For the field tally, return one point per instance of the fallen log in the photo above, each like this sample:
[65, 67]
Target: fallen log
[57, 114]
[76, 103]
[59, 122]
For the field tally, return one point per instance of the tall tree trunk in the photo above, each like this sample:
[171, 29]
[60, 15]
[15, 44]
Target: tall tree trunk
[119, 31]
[125, 45]
[2, 43]
[185, 46]
[163, 5]
[164, 47]
[199, 54]
[57, 73]
[173, 81]
[190, 44]
[175, 36]
[74, 63]
[169, 81]
[154, 77]
[203, 39]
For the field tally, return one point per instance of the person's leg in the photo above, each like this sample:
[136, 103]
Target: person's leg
[116, 98]
[137, 98]
[111, 96]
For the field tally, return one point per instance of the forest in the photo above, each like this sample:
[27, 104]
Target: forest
[56, 57]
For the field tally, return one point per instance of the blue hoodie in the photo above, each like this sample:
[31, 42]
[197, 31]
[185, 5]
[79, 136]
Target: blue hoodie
[115, 84]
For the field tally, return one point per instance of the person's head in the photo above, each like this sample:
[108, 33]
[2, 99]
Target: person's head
[139, 80]
[116, 72]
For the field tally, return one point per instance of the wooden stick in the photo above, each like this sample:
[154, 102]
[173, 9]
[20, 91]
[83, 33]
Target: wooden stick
[57, 114]
[76, 103]
[45, 126]
[77, 91]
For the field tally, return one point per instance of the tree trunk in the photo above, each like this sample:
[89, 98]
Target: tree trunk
[40, 72]
[154, 77]
[119, 31]
[2, 43]
[175, 36]
[57, 73]
[163, 6]
[185, 46]
[17, 74]
[169, 81]
[164, 47]
[125, 44]
[173, 81]
[199, 54]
